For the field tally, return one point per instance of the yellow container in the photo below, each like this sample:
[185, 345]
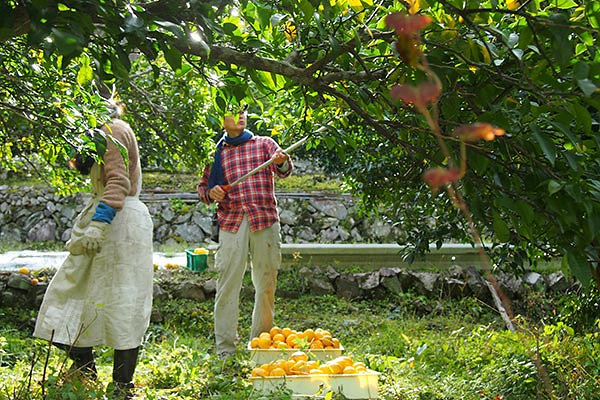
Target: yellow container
[352, 386]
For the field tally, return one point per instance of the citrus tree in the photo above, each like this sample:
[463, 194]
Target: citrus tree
[529, 68]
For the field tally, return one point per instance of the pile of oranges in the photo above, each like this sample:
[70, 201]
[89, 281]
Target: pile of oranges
[286, 338]
[299, 364]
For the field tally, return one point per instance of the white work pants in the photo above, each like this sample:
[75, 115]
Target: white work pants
[230, 262]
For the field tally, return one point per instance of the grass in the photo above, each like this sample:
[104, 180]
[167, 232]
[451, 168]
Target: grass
[423, 348]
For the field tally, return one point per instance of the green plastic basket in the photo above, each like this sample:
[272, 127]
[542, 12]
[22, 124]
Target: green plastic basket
[196, 262]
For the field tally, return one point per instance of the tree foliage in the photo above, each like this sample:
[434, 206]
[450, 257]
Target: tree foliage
[531, 68]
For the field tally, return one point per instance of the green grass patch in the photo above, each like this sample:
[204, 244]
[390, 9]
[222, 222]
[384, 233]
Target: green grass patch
[423, 348]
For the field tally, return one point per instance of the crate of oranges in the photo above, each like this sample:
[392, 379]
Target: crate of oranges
[308, 377]
[281, 342]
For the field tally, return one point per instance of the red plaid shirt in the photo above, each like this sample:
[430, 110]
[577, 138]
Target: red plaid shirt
[255, 196]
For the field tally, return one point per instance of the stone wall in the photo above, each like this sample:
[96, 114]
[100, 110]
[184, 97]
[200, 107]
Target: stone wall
[26, 290]
[37, 214]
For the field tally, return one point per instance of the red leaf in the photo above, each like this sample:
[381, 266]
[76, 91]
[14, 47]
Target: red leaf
[406, 24]
[439, 176]
[478, 131]
[426, 92]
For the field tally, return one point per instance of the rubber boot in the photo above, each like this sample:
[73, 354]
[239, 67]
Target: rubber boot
[83, 359]
[124, 365]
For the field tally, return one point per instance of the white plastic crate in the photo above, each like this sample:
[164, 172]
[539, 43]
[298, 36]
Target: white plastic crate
[352, 386]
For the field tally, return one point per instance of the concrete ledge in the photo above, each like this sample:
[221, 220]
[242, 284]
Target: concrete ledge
[379, 255]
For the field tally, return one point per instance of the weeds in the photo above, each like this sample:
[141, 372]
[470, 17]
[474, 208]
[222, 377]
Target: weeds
[423, 348]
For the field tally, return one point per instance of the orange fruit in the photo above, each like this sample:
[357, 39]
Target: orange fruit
[291, 339]
[24, 270]
[274, 331]
[263, 342]
[258, 371]
[316, 344]
[309, 334]
[277, 371]
[327, 342]
[312, 364]
[327, 369]
[299, 356]
[335, 367]
[34, 282]
[278, 337]
[349, 370]
[298, 368]
[254, 343]
[316, 371]
[336, 343]
[286, 331]
[344, 360]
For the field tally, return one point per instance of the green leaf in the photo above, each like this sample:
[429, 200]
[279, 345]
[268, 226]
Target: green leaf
[133, 23]
[587, 86]
[579, 266]
[565, 4]
[177, 30]
[501, 229]
[173, 57]
[572, 160]
[582, 116]
[229, 28]
[546, 144]
[526, 212]
[307, 10]
[85, 73]
[592, 11]
[554, 186]
[595, 188]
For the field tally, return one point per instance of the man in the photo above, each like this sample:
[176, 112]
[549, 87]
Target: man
[248, 223]
[102, 293]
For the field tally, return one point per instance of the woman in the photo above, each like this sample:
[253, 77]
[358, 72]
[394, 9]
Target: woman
[102, 294]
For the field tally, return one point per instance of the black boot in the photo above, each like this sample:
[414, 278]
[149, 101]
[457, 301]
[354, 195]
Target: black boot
[83, 359]
[124, 365]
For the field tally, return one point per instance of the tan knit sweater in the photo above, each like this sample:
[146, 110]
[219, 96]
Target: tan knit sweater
[120, 180]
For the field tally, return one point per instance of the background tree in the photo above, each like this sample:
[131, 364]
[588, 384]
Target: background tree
[531, 68]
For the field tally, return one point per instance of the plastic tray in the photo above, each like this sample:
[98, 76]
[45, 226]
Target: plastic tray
[352, 386]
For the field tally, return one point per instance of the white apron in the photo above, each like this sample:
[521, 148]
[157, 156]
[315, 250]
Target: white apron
[105, 299]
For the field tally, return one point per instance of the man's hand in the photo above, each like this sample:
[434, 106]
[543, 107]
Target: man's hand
[216, 193]
[93, 237]
[279, 157]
